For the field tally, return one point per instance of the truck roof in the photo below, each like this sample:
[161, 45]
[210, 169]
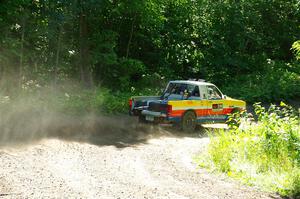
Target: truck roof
[198, 83]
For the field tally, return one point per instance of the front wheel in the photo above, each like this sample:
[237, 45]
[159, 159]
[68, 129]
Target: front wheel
[189, 123]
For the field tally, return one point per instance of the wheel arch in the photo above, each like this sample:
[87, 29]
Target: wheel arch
[193, 124]
[236, 110]
[189, 110]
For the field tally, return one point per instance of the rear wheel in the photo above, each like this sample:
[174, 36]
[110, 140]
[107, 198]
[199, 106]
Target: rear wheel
[142, 119]
[189, 123]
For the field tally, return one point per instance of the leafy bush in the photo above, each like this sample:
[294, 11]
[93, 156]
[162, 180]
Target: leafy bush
[296, 48]
[266, 153]
[275, 84]
[74, 100]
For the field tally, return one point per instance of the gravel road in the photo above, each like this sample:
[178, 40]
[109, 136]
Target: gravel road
[121, 163]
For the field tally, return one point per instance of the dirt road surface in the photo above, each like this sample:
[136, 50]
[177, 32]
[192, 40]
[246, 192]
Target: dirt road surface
[122, 163]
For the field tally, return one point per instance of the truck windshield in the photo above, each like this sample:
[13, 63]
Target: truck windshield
[213, 93]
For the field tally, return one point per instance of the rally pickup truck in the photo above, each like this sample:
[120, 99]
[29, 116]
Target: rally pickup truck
[186, 103]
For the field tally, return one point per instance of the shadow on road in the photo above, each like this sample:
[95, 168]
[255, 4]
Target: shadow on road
[121, 131]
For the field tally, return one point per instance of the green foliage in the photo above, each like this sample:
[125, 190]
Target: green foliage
[125, 73]
[275, 84]
[122, 44]
[73, 99]
[235, 119]
[99, 101]
[296, 48]
[266, 153]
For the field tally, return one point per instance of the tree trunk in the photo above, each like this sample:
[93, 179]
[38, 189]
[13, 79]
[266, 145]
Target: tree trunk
[21, 54]
[57, 56]
[130, 37]
[1, 73]
[84, 65]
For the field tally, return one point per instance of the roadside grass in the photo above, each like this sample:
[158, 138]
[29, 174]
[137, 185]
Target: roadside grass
[264, 154]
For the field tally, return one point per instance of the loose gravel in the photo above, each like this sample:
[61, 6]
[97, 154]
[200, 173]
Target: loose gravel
[156, 164]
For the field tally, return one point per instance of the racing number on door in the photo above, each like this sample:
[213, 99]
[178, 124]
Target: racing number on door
[217, 107]
[217, 110]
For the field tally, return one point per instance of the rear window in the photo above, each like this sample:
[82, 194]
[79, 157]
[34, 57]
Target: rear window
[177, 90]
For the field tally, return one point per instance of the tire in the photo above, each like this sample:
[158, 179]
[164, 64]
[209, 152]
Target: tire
[189, 122]
[142, 119]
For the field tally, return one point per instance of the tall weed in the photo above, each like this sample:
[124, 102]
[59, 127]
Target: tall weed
[265, 153]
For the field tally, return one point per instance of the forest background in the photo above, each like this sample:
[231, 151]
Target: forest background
[112, 49]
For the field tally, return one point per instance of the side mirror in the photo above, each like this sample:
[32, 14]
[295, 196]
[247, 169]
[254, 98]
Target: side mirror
[224, 96]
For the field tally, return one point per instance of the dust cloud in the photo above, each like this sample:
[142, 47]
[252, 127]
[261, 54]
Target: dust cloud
[25, 121]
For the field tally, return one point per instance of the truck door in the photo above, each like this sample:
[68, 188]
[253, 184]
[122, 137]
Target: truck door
[215, 104]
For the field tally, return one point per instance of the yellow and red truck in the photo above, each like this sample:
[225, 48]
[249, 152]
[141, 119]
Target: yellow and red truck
[186, 102]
